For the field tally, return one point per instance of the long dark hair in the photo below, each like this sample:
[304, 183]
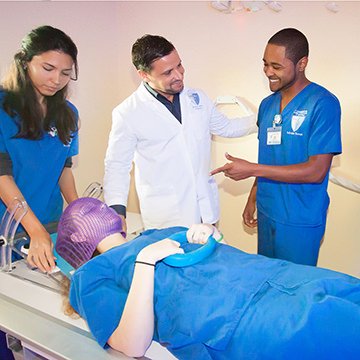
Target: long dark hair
[20, 98]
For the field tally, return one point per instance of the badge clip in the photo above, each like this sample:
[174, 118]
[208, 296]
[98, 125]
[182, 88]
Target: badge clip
[277, 120]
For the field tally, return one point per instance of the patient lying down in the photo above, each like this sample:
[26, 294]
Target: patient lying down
[231, 305]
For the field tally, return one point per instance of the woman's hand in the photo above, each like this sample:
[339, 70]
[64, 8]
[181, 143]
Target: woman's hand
[199, 233]
[41, 251]
[159, 250]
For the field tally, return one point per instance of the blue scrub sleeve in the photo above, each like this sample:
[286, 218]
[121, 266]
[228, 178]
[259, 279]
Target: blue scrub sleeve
[6, 167]
[5, 160]
[259, 118]
[2, 141]
[100, 302]
[74, 145]
[325, 136]
[68, 162]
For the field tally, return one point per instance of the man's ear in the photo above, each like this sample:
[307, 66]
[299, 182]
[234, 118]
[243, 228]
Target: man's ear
[143, 75]
[302, 63]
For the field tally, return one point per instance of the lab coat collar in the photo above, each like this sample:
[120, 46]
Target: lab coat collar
[147, 96]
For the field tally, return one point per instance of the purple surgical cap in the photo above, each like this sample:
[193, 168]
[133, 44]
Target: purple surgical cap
[83, 224]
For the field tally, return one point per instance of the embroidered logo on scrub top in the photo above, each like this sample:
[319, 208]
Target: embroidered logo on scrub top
[53, 131]
[195, 99]
[297, 119]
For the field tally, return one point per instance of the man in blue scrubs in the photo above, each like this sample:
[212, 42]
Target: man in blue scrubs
[299, 133]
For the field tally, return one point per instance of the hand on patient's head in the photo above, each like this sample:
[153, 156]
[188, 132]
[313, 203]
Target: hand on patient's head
[159, 250]
[199, 233]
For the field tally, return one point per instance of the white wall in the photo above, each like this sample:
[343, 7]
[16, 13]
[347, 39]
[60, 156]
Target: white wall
[222, 54]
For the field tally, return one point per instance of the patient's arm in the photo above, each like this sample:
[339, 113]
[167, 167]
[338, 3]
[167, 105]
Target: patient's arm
[135, 331]
[199, 233]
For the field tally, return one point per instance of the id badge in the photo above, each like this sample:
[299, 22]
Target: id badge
[274, 135]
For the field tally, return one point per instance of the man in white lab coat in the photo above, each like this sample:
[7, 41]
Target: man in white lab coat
[166, 128]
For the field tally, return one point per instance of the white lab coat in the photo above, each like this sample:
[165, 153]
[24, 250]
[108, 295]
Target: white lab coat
[172, 160]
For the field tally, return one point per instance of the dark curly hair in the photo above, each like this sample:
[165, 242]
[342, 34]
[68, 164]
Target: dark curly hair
[149, 48]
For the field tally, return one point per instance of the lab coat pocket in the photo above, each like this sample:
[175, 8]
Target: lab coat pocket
[159, 205]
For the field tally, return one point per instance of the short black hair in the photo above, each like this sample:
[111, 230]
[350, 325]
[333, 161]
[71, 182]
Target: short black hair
[294, 41]
[149, 48]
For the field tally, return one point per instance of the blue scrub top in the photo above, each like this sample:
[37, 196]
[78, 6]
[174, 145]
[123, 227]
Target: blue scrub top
[310, 126]
[37, 166]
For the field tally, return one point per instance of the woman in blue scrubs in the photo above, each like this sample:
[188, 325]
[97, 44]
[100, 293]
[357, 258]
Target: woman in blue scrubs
[38, 136]
[230, 305]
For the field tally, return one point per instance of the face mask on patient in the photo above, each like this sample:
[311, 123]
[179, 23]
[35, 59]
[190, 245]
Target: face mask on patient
[82, 226]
